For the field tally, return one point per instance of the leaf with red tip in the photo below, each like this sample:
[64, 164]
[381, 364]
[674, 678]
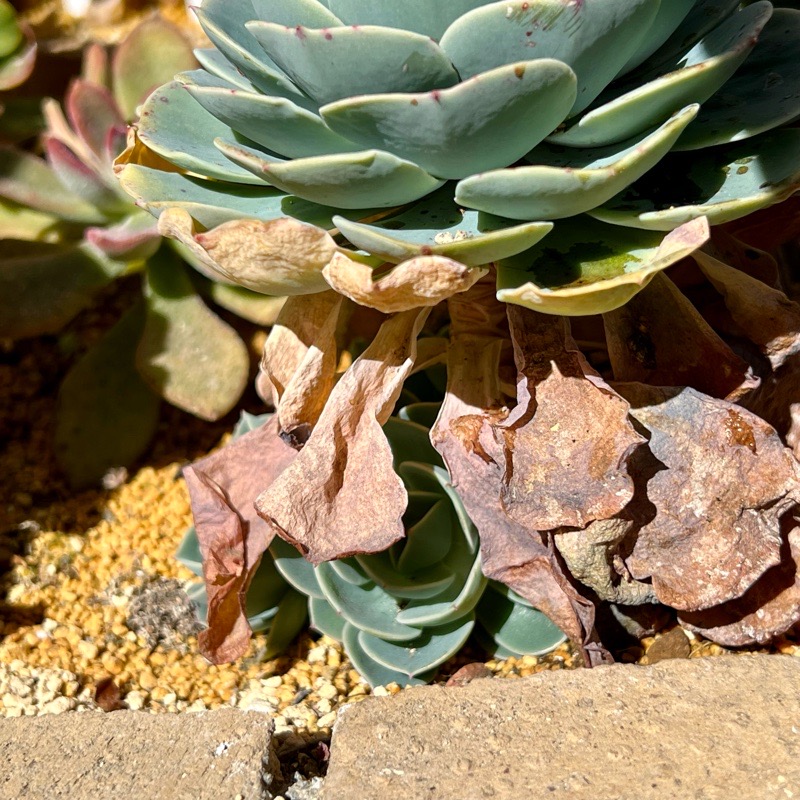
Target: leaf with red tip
[93, 111]
[136, 238]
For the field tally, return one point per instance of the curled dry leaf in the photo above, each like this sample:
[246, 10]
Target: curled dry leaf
[469, 437]
[568, 440]
[341, 496]
[135, 151]
[421, 281]
[768, 609]
[300, 360]
[725, 483]
[232, 536]
[772, 322]
[659, 338]
[279, 257]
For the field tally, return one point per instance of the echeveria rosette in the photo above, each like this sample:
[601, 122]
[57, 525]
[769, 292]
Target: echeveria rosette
[335, 114]
[68, 230]
[403, 612]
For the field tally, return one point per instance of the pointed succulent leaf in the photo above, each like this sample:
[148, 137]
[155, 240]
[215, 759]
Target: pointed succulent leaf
[176, 127]
[489, 121]
[295, 569]
[566, 181]
[594, 37]
[369, 607]
[43, 286]
[273, 122]
[209, 202]
[92, 112]
[421, 281]
[640, 102]
[439, 227]
[410, 441]
[213, 61]
[517, 627]
[722, 183]
[136, 238]
[187, 354]
[375, 674]
[670, 15]
[288, 622]
[280, 257]
[432, 648]
[763, 94]
[421, 584]
[29, 181]
[224, 23]
[320, 61]
[17, 50]
[326, 619]
[296, 13]
[370, 178]
[150, 55]
[420, 16]
[106, 413]
[590, 268]
[19, 222]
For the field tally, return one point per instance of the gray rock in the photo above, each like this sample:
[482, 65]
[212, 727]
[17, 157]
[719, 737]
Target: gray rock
[704, 728]
[222, 755]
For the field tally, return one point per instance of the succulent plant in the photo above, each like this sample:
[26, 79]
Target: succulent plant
[17, 49]
[537, 165]
[68, 230]
[402, 612]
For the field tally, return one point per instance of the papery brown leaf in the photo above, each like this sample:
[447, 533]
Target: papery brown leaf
[727, 480]
[768, 609]
[569, 438]
[342, 496]
[465, 435]
[659, 338]
[754, 262]
[771, 321]
[300, 358]
[232, 536]
[422, 281]
[769, 228]
[279, 257]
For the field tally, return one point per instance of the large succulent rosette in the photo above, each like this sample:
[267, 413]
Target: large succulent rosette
[527, 162]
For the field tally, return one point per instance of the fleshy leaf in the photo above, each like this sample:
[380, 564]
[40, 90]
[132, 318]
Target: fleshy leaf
[320, 504]
[727, 481]
[232, 536]
[442, 131]
[92, 112]
[150, 55]
[659, 338]
[187, 354]
[135, 238]
[421, 281]
[106, 413]
[16, 67]
[260, 309]
[585, 268]
[279, 257]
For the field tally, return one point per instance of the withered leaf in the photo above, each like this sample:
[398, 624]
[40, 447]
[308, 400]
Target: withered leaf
[659, 338]
[300, 358]
[768, 609]
[467, 436]
[108, 696]
[726, 481]
[421, 281]
[282, 256]
[341, 495]
[569, 438]
[754, 262]
[223, 487]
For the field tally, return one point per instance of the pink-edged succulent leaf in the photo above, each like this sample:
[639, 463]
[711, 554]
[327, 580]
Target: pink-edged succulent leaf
[232, 536]
[17, 67]
[341, 496]
[93, 112]
[187, 354]
[136, 238]
[94, 65]
[150, 56]
[659, 338]
[723, 481]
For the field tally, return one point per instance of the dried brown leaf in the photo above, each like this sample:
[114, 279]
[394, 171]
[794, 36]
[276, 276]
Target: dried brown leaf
[232, 536]
[282, 256]
[421, 281]
[750, 260]
[659, 338]
[725, 482]
[108, 695]
[770, 607]
[341, 495]
[300, 359]
[569, 439]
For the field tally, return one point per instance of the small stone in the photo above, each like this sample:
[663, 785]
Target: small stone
[273, 683]
[327, 692]
[87, 650]
[673, 644]
[58, 706]
[327, 721]
[135, 700]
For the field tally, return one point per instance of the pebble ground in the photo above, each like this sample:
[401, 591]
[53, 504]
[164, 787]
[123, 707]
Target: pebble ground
[74, 569]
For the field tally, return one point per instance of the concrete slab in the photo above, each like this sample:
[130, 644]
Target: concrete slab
[706, 729]
[128, 755]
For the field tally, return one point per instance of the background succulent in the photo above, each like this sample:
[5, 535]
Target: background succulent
[17, 49]
[68, 231]
[403, 612]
